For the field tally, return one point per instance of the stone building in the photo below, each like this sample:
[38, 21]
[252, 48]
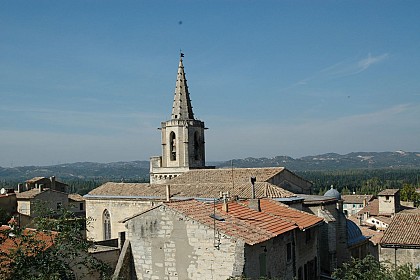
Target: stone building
[353, 203]
[112, 202]
[339, 238]
[400, 243]
[180, 173]
[197, 240]
[43, 182]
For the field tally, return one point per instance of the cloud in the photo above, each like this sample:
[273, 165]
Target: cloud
[370, 60]
[344, 68]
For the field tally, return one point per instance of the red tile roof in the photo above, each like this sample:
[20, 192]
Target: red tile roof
[403, 231]
[389, 192]
[372, 208]
[301, 219]
[356, 198]
[242, 222]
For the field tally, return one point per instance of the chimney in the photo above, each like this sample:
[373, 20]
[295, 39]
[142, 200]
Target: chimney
[225, 206]
[365, 202]
[254, 204]
[168, 193]
[20, 188]
[253, 179]
[52, 179]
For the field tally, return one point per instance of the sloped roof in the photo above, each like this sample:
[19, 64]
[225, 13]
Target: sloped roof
[239, 222]
[32, 193]
[372, 208]
[389, 192]
[197, 190]
[356, 198]
[302, 219]
[403, 231]
[226, 175]
[373, 235]
[76, 197]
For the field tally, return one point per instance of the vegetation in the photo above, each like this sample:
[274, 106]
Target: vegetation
[56, 250]
[370, 269]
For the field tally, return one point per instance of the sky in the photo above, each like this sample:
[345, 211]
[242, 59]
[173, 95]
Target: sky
[92, 80]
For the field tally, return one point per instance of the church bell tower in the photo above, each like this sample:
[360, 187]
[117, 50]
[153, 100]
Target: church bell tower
[182, 137]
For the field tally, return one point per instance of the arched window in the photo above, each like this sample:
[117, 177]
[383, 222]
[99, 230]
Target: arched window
[172, 145]
[106, 218]
[196, 146]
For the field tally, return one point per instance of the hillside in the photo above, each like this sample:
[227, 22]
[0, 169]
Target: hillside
[139, 170]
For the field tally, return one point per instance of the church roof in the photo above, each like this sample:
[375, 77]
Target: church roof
[227, 175]
[182, 108]
[192, 190]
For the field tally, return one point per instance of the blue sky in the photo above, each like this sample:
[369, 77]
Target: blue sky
[92, 80]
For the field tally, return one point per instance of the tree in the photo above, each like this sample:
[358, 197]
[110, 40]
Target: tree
[56, 250]
[408, 193]
[371, 269]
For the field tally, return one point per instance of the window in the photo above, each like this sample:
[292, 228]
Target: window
[59, 205]
[289, 252]
[196, 146]
[106, 217]
[81, 206]
[172, 146]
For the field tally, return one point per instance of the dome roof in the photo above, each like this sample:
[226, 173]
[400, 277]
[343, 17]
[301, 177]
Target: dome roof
[333, 193]
[354, 234]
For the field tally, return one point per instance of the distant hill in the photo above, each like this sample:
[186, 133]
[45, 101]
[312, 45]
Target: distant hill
[114, 171]
[139, 170]
[332, 161]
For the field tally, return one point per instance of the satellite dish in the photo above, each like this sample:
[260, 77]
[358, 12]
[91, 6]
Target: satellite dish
[2, 191]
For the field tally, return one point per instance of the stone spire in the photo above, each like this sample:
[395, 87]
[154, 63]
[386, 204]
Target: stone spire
[182, 108]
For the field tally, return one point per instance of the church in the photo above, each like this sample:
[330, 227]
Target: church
[181, 173]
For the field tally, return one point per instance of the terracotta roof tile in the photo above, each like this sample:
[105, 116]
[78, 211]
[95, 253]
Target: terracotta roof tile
[32, 193]
[225, 175]
[197, 190]
[240, 222]
[356, 198]
[389, 192]
[403, 230]
[76, 197]
[372, 208]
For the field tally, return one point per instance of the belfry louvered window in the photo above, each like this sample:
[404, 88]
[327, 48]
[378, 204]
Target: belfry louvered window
[172, 145]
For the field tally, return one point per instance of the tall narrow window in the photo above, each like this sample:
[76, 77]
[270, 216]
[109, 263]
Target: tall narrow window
[196, 146]
[172, 145]
[107, 224]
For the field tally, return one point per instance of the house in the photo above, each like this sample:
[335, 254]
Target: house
[8, 201]
[378, 212]
[191, 239]
[34, 201]
[353, 203]
[400, 243]
[43, 182]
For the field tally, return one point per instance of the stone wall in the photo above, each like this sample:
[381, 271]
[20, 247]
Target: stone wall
[269, 258]
[119, 210]
[403, 256]
[167, 245]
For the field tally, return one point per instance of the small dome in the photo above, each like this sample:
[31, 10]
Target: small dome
[333, 193]
[354, 234]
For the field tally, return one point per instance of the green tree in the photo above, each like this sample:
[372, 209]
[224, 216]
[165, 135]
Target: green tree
[56, 250]
[371, 269]
[408, 193]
